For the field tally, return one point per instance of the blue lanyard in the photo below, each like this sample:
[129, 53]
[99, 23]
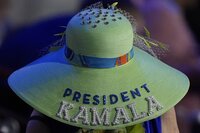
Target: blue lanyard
[153, 126]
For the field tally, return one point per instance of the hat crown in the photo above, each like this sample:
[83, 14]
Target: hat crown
[101, 33]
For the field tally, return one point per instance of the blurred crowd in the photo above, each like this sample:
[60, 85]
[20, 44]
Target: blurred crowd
[27, 27]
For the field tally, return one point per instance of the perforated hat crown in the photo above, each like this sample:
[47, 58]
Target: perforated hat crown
[100, 33]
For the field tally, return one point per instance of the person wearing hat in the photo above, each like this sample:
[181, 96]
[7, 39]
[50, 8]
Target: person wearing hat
[100, 80]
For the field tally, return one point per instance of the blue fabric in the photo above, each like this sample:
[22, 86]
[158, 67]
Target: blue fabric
[153, 126]
[23, 45]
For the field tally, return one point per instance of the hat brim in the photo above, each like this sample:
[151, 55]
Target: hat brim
[47, 83]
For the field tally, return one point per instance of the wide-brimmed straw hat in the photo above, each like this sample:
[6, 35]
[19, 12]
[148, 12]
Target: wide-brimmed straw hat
[100, 79]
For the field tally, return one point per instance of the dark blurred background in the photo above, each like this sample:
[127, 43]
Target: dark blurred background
[27, 27]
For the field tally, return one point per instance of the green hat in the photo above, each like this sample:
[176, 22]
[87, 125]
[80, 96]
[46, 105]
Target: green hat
[100, 80]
